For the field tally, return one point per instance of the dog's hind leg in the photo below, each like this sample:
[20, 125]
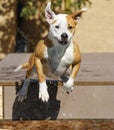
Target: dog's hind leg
[22, 94]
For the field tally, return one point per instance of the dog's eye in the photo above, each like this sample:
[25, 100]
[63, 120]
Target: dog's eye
[57, 26]
[70, 27]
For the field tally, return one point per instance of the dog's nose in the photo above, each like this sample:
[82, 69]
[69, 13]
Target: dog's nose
[64, 35]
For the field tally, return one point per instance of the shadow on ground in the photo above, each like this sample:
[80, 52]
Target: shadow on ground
[34, 109]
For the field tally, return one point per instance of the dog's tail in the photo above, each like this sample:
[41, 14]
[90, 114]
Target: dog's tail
[28, 65]
[23, 66]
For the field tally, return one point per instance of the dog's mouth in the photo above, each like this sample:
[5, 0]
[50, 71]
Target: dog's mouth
[62, 41]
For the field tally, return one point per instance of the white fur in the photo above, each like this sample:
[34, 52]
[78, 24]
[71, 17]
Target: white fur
[49, 14]
[61, 21]
[45, 53]
[18, 68]
[55, 36]
[55, 33]
[66, 60]
[43, 93]
[68, 86]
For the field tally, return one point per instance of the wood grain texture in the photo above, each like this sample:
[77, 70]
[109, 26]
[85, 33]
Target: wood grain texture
[95, 77]
[58, 125]
[85, 102]
[96, 69]
[1, 103]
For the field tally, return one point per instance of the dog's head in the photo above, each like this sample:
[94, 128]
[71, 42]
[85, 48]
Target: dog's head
[62, 26]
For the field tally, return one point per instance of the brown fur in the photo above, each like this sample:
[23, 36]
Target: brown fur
[77, 61]
[71, 24]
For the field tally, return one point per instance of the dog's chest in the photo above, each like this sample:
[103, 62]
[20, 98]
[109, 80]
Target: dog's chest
[58, 59]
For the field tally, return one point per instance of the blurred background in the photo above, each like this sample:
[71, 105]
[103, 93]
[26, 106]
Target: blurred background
[22, 24]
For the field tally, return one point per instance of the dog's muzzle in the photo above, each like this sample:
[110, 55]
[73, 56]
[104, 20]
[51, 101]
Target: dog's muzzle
[64, 39]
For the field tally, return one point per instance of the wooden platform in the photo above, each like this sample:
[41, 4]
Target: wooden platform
[58, 125]
[92, 98]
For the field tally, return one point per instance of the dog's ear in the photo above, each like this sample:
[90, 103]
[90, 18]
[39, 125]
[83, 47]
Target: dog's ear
[76, 16]
[49, 14]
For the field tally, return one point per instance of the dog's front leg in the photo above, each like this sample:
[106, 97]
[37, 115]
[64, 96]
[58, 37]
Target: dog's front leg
[43, 93]
[68, 86]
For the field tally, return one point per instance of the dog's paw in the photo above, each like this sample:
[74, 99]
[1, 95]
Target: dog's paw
[43, 93]
[68, 86]
[22, 94]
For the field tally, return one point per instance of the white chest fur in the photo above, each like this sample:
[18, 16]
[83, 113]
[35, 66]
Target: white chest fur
[59, 63]
[66, 60]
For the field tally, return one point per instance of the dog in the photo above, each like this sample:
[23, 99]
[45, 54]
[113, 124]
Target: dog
[54, 54]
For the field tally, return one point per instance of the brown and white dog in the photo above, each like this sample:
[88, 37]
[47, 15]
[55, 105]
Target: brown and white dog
[54, 54]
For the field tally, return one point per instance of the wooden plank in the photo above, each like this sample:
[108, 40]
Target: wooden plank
[1, 102]
[9, 95]
[93, 98]
[14, 59]
[95, 69]
[85, 102]
[58, 125]
[76, 83]
[60, 83]
[99, 58]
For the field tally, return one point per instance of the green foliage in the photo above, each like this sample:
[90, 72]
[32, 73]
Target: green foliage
[29, 9]
[68, 6]
[77, 4]
[56, 3]
[80, 3]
